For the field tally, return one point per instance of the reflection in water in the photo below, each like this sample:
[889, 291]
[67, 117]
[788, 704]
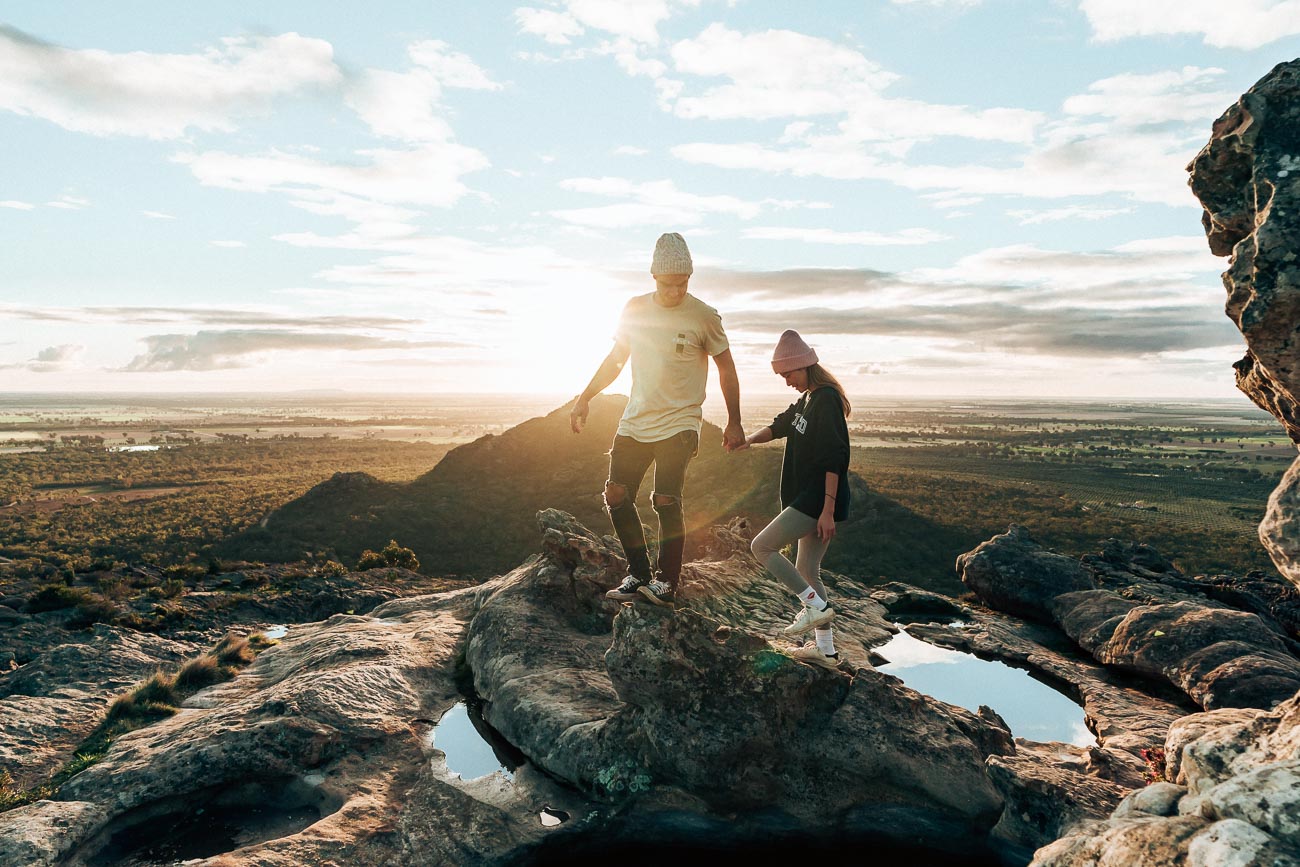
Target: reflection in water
[469, 752]
[277, 631]
[1032, 709]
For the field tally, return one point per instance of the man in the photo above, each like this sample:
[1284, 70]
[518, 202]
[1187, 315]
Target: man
[669, 336]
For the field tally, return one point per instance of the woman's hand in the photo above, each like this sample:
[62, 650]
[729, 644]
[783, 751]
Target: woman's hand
[826, 527]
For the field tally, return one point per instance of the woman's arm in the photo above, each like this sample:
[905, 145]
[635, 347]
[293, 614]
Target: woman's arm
[826, 523]
[763, 436]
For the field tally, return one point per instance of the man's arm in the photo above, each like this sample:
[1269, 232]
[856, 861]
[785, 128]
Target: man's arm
[734, 436]
[608, 371]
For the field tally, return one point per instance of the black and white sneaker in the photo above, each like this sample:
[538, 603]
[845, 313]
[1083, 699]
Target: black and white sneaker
[626, 592]
[660, 593]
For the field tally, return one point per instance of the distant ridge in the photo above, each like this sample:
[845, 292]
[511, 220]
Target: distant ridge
[473, 514]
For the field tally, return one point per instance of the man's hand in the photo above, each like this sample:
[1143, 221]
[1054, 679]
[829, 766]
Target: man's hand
[733, 437]
[578, 415]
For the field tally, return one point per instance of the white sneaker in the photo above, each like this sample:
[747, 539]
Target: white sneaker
[812, 655]
[626, 591]
[809, 618]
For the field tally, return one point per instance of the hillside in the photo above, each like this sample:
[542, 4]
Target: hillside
[473, 514]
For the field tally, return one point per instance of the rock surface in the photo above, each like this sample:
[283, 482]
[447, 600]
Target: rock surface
[1237, 799]
[1142, 615]
[1247, 178]
[1280, 529]
[1014, 574]
[697, 701]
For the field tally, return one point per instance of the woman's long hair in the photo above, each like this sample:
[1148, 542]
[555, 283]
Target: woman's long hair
[819, 376]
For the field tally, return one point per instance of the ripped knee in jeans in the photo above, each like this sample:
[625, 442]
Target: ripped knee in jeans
[615, 495]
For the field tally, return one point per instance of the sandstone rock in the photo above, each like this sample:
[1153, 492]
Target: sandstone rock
[110, 660]
[1233, 843]
[1219, 657]
[1242, 805]
[1193, 727]
[1044, 795]
[39, 833]
[1246, 179]
[1012, 573]
[38, 734]
[1157, 799]
[1280, 529]
[697, 701]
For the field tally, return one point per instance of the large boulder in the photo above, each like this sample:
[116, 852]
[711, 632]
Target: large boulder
[1013, 573]
[700, 702]
[1217, 656]
[1234, 799]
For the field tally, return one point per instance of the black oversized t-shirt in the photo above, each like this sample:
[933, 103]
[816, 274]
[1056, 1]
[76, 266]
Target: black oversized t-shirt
[817, 443]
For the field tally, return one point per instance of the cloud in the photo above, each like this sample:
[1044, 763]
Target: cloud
[652, 203]
[219, 350]
[157, 96]
[428, 175]
[984, 327]
[51, 359]
[555, 27]
[68, 203]
[373, 188]
[1094, 148]
[202, 316]
[157, 215]
[903, 237]
[1028, 217]
[17, 206]
[401, 105]
[1244, 24]
[785, 74]
[636, 20]
[630, 151]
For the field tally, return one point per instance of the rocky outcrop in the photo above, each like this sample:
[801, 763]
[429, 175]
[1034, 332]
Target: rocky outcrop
[1280, 529]
[699, 701]
[1248, 179]
[50, 704]
[1013, 573]
[1234, 799]
[1141, 614]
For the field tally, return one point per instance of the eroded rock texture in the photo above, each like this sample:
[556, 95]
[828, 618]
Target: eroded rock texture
[1143, 615]
[1234, 799]
[1248, 180]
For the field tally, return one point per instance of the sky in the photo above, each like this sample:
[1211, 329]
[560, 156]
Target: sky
[945, 197]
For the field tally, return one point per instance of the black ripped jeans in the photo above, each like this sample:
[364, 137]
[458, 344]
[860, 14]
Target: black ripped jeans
[628, 461]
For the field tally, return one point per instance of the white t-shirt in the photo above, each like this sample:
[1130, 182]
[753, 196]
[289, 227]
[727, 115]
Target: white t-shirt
[670, 349]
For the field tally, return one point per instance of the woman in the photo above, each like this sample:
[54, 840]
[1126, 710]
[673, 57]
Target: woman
[814, 490]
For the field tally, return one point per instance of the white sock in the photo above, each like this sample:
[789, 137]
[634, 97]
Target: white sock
[810, 598]
[825, 640]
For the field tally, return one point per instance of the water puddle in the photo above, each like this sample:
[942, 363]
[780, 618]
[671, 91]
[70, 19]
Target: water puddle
[216, 823]
[275, 632]
[473, 748]
[1032, 709]
[551, 817]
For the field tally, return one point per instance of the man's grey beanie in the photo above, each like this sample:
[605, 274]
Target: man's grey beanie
[671, 255]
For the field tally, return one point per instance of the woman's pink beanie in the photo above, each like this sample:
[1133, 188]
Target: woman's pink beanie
[792, 353]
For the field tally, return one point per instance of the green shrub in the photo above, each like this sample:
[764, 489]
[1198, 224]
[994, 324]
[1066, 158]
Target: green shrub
[52, 597]
[392, 555]
[95, 609]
